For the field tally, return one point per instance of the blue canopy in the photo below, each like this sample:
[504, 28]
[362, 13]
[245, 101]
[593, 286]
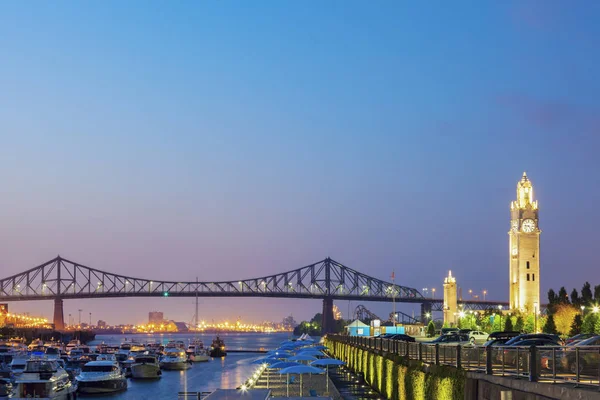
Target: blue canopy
[283, 364]
[302, 369]
[327, 361]
[302, 357]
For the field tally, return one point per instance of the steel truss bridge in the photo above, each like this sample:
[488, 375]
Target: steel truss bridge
[60, 279]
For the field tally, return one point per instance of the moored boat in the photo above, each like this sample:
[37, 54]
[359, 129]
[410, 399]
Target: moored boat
[217, 349]
[44, 379]
[196, 351]
[174, 359]
[101, 377]
[145, 367]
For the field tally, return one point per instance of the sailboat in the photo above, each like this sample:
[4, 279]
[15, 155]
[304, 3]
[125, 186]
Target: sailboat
[196, 351]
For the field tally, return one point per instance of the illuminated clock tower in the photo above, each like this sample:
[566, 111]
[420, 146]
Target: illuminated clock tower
[524, 250]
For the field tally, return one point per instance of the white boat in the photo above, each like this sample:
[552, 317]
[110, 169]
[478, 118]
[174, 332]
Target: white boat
[18, 364]
[196, 351]
[145, 367]
[101, 377]
[106, 357]
[44, 379]
[72, 344]
[123, 352]
[174, 359]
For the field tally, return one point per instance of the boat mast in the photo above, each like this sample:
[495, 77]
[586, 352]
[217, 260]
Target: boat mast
[196, 316]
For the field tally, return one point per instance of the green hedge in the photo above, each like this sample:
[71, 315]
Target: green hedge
[396, 378]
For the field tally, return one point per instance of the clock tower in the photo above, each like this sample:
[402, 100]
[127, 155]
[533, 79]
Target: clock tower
[524, 250]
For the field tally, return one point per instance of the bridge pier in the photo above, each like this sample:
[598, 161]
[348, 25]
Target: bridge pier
[426, 310]
[59, 319]
[327, 321]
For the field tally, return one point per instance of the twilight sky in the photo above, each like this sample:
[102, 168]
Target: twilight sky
[233, 139]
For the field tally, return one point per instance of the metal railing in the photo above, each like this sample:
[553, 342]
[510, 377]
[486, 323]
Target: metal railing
[574, 364]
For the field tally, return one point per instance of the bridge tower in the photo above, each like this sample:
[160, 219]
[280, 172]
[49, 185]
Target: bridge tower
[524, 249]
[59, 317]
[327, 320]
[450, 300]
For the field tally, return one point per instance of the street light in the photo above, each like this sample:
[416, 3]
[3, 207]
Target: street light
[582, 308]
[595, 309]
[484, 293]
[471, 292]
[433, 293]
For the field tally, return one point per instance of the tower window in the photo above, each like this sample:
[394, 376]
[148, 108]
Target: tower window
[533, 277]
[527, 276]
[527, 264]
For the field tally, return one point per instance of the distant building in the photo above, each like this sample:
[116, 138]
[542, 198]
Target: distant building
[155, 317]
[101, 324]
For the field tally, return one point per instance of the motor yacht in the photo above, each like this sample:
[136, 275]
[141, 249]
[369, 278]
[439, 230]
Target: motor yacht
[196, 351]
[101, 377]
[6, 382]
[72, 344]
[123, 352]
[46, 379]
[18, 364]
[174, 359]
[145, 367]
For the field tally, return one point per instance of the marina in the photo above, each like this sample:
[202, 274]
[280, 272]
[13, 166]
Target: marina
[106, 378]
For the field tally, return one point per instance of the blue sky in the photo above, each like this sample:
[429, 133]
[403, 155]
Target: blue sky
[228, 140]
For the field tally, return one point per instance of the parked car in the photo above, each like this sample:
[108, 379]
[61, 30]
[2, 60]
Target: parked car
[403, 337]
[503, 335]
[527, 336]
[589, 358]
[446, 331]
[478, 337]
[451, 338]
[578, 338]
[509, 355]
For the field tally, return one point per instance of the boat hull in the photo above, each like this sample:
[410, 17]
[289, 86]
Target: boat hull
[175, 366]
[145, 371]
[105, 386]
[217, 353]
[199, 357]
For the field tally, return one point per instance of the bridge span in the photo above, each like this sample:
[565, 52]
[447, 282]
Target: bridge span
[60, 279]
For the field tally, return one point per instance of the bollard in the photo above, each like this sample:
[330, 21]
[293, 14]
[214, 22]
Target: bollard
[488, 361]
[533, 364]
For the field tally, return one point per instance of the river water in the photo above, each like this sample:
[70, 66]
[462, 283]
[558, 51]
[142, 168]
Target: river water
[227, 373]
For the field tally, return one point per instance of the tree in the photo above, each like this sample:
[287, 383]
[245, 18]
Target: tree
[575, 300]
[597, 293]
[430, 329]
[508, 325]
[549, 326]
[563, 297]
[589, 323]
[586, 294]
[552, 299]
[563, 317]
[576, 325]
[520, 324]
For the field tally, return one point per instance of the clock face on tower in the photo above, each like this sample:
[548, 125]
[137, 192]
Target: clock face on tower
[528, 225]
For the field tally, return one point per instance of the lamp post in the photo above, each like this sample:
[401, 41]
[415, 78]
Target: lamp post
[484, 293]
[433, 293]
[582, 308]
